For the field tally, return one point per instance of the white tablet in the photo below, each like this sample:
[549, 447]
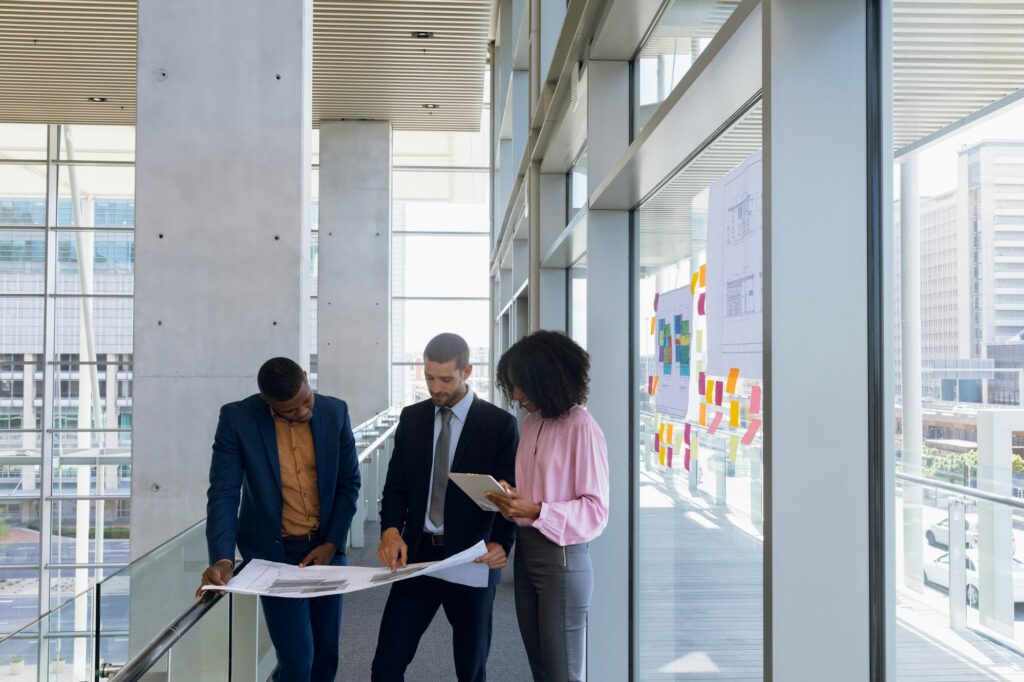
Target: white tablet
[475, 485]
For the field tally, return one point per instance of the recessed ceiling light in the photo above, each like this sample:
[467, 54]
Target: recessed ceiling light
[422, 35]
[431, 106]
[97, 99]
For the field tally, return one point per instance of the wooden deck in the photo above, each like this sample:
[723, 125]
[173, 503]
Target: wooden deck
[700, 608]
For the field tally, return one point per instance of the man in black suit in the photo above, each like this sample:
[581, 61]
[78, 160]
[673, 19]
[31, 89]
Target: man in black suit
[425, 518]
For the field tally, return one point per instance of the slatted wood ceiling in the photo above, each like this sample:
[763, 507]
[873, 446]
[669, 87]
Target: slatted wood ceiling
[56, 54]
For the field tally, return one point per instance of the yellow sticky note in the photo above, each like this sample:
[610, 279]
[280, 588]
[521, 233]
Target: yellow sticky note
[679, 441]
[730, 384]
[661, 430]
[693, 451]
[703, 414]
[693, 283]
[734, 414]
[700, 341]
[662, 455]
[703, 276]
[709, 393]
[654, 321]
[734, 442]
[668, 433]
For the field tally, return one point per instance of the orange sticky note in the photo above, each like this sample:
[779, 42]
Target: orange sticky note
[703, 276]
[703, 421]
[668, 433]
[709, 394]
[734, 413]
[654, 321]
[693, 283]
[730, 384]
[655, 391]
[734, 442]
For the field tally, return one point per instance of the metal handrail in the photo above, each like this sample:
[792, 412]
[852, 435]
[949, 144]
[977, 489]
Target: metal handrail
[162, 643]
[169, 636]
[962, 490]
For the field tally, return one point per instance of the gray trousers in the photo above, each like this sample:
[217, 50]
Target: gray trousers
[553, 588]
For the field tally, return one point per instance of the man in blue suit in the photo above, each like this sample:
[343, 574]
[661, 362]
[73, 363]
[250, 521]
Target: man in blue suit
[290, 458]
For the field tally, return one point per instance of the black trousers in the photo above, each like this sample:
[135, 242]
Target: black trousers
[411, 607]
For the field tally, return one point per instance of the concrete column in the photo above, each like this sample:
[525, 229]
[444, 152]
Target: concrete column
[608, 331]
[817, 609]
[910, 333]
[354, 298]
[222, 239]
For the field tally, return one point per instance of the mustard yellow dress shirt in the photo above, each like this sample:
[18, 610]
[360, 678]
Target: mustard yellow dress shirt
[297, 456]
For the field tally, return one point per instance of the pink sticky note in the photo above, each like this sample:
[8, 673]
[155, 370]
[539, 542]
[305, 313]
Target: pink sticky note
[718, 392]
[748, 437]
[686, 433]
[657, 442]
[701, 382]
[668, 457]
[714, 423]
[755, 399]
[686, 459]
[657, 297]
[700, 304]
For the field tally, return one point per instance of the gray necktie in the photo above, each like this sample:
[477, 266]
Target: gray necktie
[440, 482]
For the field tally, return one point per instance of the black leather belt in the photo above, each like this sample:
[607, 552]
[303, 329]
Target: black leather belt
[311, 536]
[435, 540]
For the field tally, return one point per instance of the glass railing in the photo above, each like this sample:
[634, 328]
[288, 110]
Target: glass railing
[145, 619]
[959, 578]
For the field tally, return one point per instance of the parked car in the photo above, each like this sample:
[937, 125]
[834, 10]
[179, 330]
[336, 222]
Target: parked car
[937, 573]
[937, 534]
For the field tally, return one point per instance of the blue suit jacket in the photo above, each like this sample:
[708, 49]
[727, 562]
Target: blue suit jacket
[245, 467]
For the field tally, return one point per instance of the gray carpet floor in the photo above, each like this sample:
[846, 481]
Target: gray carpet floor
[361, 621]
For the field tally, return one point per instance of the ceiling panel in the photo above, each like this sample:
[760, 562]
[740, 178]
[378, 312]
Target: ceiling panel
[56, 54]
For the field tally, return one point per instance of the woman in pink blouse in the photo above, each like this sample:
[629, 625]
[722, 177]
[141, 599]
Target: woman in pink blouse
[560, 503]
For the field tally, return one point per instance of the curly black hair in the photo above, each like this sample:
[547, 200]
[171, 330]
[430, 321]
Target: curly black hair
[280, 378]
[549, 368]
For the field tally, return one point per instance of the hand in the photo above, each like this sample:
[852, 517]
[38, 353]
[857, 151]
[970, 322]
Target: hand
[320, 556]
[515, 506]
[495, 557]
[392, 550]
[218, 574]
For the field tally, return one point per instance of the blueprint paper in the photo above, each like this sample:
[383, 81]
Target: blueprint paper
[735, 285]
[273, 579]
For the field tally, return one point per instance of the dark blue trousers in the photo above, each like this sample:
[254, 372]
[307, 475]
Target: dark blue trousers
[411, 607]
[306, 632]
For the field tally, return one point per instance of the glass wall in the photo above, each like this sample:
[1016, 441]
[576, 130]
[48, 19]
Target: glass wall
[67, 259]
[440, 249]
[957, 303]
[698, 526]
[578, 301]
[684, 30]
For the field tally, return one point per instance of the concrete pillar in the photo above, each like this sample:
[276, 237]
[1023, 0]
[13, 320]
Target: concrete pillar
[608, 331]
[354, 297]
[910, 333]
[995, 521]
[817, 609]
[222, 238]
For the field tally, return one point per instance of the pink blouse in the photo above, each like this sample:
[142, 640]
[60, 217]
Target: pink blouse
[563, 464]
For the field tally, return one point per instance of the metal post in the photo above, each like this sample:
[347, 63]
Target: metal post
[957, 565]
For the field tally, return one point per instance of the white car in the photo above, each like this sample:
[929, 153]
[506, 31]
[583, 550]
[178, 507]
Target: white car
[937, 573]
[937, 534]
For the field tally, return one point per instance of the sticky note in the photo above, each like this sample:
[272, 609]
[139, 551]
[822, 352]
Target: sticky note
[655, 391]
[700, 341]
[661, 430]
[714, 423]
[703, 276]
[700, 304]
[657, 297]
[657, 442]
[693, 283]
[661, 456]
[669, 432]
[686, 459]
[718, 392]
[734, 414]
[730, 385]
[748, 437]
[668, 457]
[700, 383]
[709, 391]
[686, 433]
[650, 385]
[755, 399]
[703, 420]
[654, 321]
[734, 442]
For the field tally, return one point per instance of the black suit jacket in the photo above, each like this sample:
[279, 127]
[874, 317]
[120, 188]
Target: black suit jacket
[487, 445]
